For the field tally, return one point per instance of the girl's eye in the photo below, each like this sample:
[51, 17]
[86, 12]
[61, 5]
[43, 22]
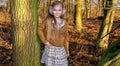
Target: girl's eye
[54, 9]
[57, 10]
[60, 10]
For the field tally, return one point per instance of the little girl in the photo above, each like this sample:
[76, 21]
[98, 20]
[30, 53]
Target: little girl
[53, 33]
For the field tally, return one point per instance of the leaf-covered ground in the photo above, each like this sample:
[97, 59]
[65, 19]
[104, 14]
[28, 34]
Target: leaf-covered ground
[83, 51]
[83, 48]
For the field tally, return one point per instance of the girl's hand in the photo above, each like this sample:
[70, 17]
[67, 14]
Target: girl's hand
[68, 55]
[48, 44]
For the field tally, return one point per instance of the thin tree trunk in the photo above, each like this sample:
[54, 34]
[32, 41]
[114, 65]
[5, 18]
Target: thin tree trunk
[90, 7]
[79, 15]
[87, 9]
[99, 12]
[26, 48]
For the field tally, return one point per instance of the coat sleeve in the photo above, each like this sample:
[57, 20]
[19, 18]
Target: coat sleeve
[67, 40]
[41, 28]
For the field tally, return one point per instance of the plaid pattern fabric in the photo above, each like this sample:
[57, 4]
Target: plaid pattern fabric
[54, 56]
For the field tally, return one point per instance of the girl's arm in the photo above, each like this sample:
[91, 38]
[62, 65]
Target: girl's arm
[41, 28]
[67, 41]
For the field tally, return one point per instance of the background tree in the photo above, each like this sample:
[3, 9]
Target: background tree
[99, 12]
[104, 3]
[26, 49]
[79, 15]
[112, 55]
[107, 23]
[87, 9]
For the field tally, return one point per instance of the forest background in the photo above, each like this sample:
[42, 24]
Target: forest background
[94, 30]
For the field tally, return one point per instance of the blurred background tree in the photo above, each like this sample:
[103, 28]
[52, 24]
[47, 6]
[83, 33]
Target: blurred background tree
[87, 9]
[79, 15]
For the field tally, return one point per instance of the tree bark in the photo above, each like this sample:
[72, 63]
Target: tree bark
[87, 11]
[107, 23]
[112, 55]
[26, 48]
[79, 15]
[99, 12]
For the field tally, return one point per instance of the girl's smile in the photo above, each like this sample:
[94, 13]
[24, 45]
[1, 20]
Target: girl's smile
[57, 11]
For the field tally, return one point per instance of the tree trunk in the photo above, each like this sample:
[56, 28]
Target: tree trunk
[99, 12]
[79, 15]
[26, 48]
[112, 55]
[90, 8]
[104, 2]
[51, 1]
[107, 22]
[87, 9]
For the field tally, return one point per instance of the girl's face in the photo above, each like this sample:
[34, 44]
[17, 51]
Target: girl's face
[57, 11]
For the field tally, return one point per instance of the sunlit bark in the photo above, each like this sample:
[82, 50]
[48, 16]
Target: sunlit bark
[26, 48]
[107, 23]
[79, 15]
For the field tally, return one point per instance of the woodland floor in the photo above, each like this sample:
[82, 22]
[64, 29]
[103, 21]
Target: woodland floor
[83, 51]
